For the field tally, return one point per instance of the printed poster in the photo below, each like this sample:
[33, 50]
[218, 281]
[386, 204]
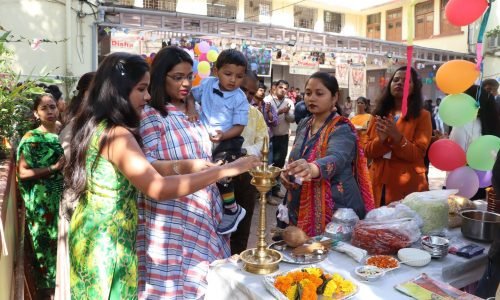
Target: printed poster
[259, 59]
[357, 81]
[342, 74]
[304, 63]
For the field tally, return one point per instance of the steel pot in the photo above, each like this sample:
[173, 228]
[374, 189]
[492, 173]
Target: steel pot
[480, 225]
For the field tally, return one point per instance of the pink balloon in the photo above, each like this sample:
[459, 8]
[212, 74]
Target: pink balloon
[464, 12]
[446, 155]
[204, 47]
[465, 180]
[203, 57]
[484, 178]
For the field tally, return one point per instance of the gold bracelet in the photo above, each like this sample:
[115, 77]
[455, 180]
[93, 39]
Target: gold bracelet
[50, 169]
[176, 168]
[406, 143]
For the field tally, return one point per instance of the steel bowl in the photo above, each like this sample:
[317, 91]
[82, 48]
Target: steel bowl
[435, 245]
[480, 225]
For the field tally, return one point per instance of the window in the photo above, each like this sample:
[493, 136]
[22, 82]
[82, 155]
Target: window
[393, 23]
[445, 26]
[221, 9]
[304, 17]
[424, 20]
[333, 21]
[373, 26]
[258, 11]
[168, 5]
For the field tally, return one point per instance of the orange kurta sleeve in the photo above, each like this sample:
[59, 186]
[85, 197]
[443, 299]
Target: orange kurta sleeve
[374, 147]
[413, 149]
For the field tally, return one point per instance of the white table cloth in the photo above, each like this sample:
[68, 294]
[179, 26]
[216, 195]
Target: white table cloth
[229, 281]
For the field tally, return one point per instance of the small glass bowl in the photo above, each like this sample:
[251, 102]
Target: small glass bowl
[369, 273]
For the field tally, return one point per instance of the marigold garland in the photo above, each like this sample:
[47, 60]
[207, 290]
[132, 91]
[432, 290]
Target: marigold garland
[308, 283]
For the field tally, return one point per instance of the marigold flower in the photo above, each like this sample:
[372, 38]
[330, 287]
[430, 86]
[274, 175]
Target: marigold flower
[314, 271]
[330, 288]
[292, 292]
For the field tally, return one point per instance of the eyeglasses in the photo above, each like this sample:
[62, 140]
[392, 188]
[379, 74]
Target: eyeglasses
[179, 78]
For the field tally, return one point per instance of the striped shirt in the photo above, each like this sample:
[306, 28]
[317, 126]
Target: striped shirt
[177, 239]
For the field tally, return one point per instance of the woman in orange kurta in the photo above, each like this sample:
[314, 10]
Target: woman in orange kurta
[397, 145]
[362, 119]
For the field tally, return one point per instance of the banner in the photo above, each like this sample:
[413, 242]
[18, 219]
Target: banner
[259, 59]
[304, 63]
[357, 81]
[342, 74]
[121, 42]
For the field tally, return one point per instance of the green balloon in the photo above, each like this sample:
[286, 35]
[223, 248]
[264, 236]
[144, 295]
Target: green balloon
[458, 109]
[482, 152]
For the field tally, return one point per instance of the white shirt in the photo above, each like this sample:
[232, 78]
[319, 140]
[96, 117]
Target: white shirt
[284, 119]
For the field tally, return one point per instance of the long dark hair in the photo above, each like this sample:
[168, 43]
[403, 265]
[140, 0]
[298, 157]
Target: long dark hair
[330, 82]
[108, 101]
[82, 86]
[487, 113]
[165, 60]
[366, 102]
[385, 102]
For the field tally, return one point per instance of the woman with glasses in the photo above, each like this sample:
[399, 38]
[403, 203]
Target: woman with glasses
[176, 239]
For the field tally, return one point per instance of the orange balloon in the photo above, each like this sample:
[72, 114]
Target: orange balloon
[197, 49]
[196, 80]
[456, 76]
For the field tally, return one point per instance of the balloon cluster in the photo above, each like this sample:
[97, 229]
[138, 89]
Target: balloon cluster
[202, 54]
[149, 59]
[472, 170]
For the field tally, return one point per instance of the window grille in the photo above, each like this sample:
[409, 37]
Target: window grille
[304, 17]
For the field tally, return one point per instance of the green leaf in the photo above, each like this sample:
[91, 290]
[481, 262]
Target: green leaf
[5, 36]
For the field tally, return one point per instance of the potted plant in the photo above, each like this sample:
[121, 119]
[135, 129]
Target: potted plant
[493, 35]
[16, 100]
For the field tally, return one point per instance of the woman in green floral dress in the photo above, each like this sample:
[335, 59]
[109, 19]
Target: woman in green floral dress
[106, 166]
[40, 159]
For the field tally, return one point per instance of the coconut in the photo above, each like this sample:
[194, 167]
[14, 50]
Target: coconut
[294, 236]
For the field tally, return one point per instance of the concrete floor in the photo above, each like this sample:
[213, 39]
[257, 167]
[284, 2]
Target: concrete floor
[436, 181]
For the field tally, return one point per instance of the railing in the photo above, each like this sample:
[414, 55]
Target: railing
[268, 36]
[14, 282]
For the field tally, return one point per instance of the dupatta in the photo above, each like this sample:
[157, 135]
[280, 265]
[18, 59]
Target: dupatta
[316, 203]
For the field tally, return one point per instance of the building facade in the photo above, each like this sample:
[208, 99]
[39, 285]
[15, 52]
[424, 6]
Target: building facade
[324, 29]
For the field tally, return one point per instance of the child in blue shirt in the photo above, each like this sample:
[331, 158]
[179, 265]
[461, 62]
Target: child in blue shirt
[224, 112]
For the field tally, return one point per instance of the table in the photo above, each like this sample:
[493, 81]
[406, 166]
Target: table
[228, 280]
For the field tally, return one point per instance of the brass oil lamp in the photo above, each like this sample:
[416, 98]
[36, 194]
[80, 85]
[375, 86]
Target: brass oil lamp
[262, 260]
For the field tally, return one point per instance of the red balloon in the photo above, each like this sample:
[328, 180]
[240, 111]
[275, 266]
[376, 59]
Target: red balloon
[446, 155]
[464, 12]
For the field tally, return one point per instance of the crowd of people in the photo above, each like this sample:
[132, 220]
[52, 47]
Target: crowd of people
[142, 181]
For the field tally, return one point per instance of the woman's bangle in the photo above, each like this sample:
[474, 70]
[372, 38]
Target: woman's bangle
[176, 168]
[50, 169]
[405, 143]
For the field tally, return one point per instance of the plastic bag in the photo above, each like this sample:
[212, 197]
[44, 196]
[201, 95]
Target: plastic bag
[385, 237]
[283, 214]
[398, 211]
[432, 207]
[342, 225]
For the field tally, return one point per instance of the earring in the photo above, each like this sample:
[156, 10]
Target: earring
[334, 108]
